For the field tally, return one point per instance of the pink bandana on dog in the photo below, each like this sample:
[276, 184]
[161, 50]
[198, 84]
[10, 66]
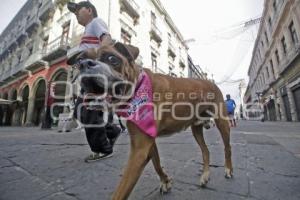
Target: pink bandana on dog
[139, 109]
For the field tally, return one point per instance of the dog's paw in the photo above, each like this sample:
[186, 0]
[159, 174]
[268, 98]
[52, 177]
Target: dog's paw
[228, 173]
[165, 186]
[204, 179]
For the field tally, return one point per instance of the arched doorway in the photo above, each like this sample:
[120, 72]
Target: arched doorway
[4, 111]
[59, 79]
[10, 108]
[13, 95]
[39, 102]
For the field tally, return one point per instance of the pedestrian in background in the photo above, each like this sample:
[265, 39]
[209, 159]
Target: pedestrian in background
[230, 104]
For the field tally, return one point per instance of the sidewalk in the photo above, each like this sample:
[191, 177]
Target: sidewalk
[48, 165]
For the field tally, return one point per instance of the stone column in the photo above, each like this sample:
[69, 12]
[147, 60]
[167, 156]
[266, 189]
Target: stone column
[292, 104]
[69, 89]
[30, 110]
[282, 108]
[276, 101]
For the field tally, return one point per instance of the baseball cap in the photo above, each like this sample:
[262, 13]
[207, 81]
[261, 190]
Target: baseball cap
[73, 7]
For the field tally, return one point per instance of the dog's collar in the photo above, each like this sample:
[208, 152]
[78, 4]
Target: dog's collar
[139, 108]
[138, 83]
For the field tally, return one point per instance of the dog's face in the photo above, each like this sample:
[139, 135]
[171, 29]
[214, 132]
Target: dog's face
[107, 66]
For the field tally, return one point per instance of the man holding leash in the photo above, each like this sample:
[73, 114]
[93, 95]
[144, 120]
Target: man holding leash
[100, 139]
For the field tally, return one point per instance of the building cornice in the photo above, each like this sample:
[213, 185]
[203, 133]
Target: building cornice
[169, 21]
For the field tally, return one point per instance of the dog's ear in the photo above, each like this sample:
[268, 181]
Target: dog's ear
[129, 51]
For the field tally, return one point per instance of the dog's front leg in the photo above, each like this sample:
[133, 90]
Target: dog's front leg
[166, 182]
[139, 156]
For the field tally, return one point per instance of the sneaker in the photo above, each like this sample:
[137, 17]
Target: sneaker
[97, 156]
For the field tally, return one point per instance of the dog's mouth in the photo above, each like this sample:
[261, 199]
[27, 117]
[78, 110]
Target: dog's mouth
[98, 82]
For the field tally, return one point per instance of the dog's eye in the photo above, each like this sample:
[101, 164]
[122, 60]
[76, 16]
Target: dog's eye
[113, 60]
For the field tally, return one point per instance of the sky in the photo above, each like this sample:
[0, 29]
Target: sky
[8, 9]
[220, 46]
[214, 25]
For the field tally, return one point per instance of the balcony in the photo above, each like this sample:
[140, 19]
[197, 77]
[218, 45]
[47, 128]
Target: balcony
[6, 75]
[131, 8]
[181, 63]
[35, 62]
[32, 24]
[18, 70]
[155, 33]
[56, 49]
[44, 11]
[171, 50]
[12, 45]
[21, 34]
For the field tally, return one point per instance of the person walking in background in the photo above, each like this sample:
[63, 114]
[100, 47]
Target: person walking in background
[230, 104]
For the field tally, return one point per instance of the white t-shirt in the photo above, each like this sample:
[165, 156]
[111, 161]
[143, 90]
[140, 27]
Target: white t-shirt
[92, 34]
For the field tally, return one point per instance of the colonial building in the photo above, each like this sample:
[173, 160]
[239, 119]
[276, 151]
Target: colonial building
[274, 72]
[195, 71]
[35, 44]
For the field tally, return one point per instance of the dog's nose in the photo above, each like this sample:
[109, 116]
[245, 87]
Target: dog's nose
[87, 64]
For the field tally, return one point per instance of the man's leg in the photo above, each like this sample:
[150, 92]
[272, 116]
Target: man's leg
[112, 131]
[98, 141]
[95, 134]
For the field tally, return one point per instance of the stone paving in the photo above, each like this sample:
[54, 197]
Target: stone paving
[47, 165]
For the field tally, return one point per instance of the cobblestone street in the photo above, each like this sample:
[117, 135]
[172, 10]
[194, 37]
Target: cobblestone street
[37, 164]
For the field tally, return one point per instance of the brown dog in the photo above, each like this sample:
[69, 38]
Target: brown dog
[118, 62]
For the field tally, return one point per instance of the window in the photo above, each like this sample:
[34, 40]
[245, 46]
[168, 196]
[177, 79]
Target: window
[274, 5]
[125, 37]
[153, 18]
[277, 56]
[169, 36]
[30, 50]
[283, 43]
[266, 36]
[272, 66]
[293, 33]
[65, 33]
[45, 43]
[171, 68]
[259, 55]
[270, 23]
[154, 62]
[19, 58]
[262, 44]
[267, 72]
